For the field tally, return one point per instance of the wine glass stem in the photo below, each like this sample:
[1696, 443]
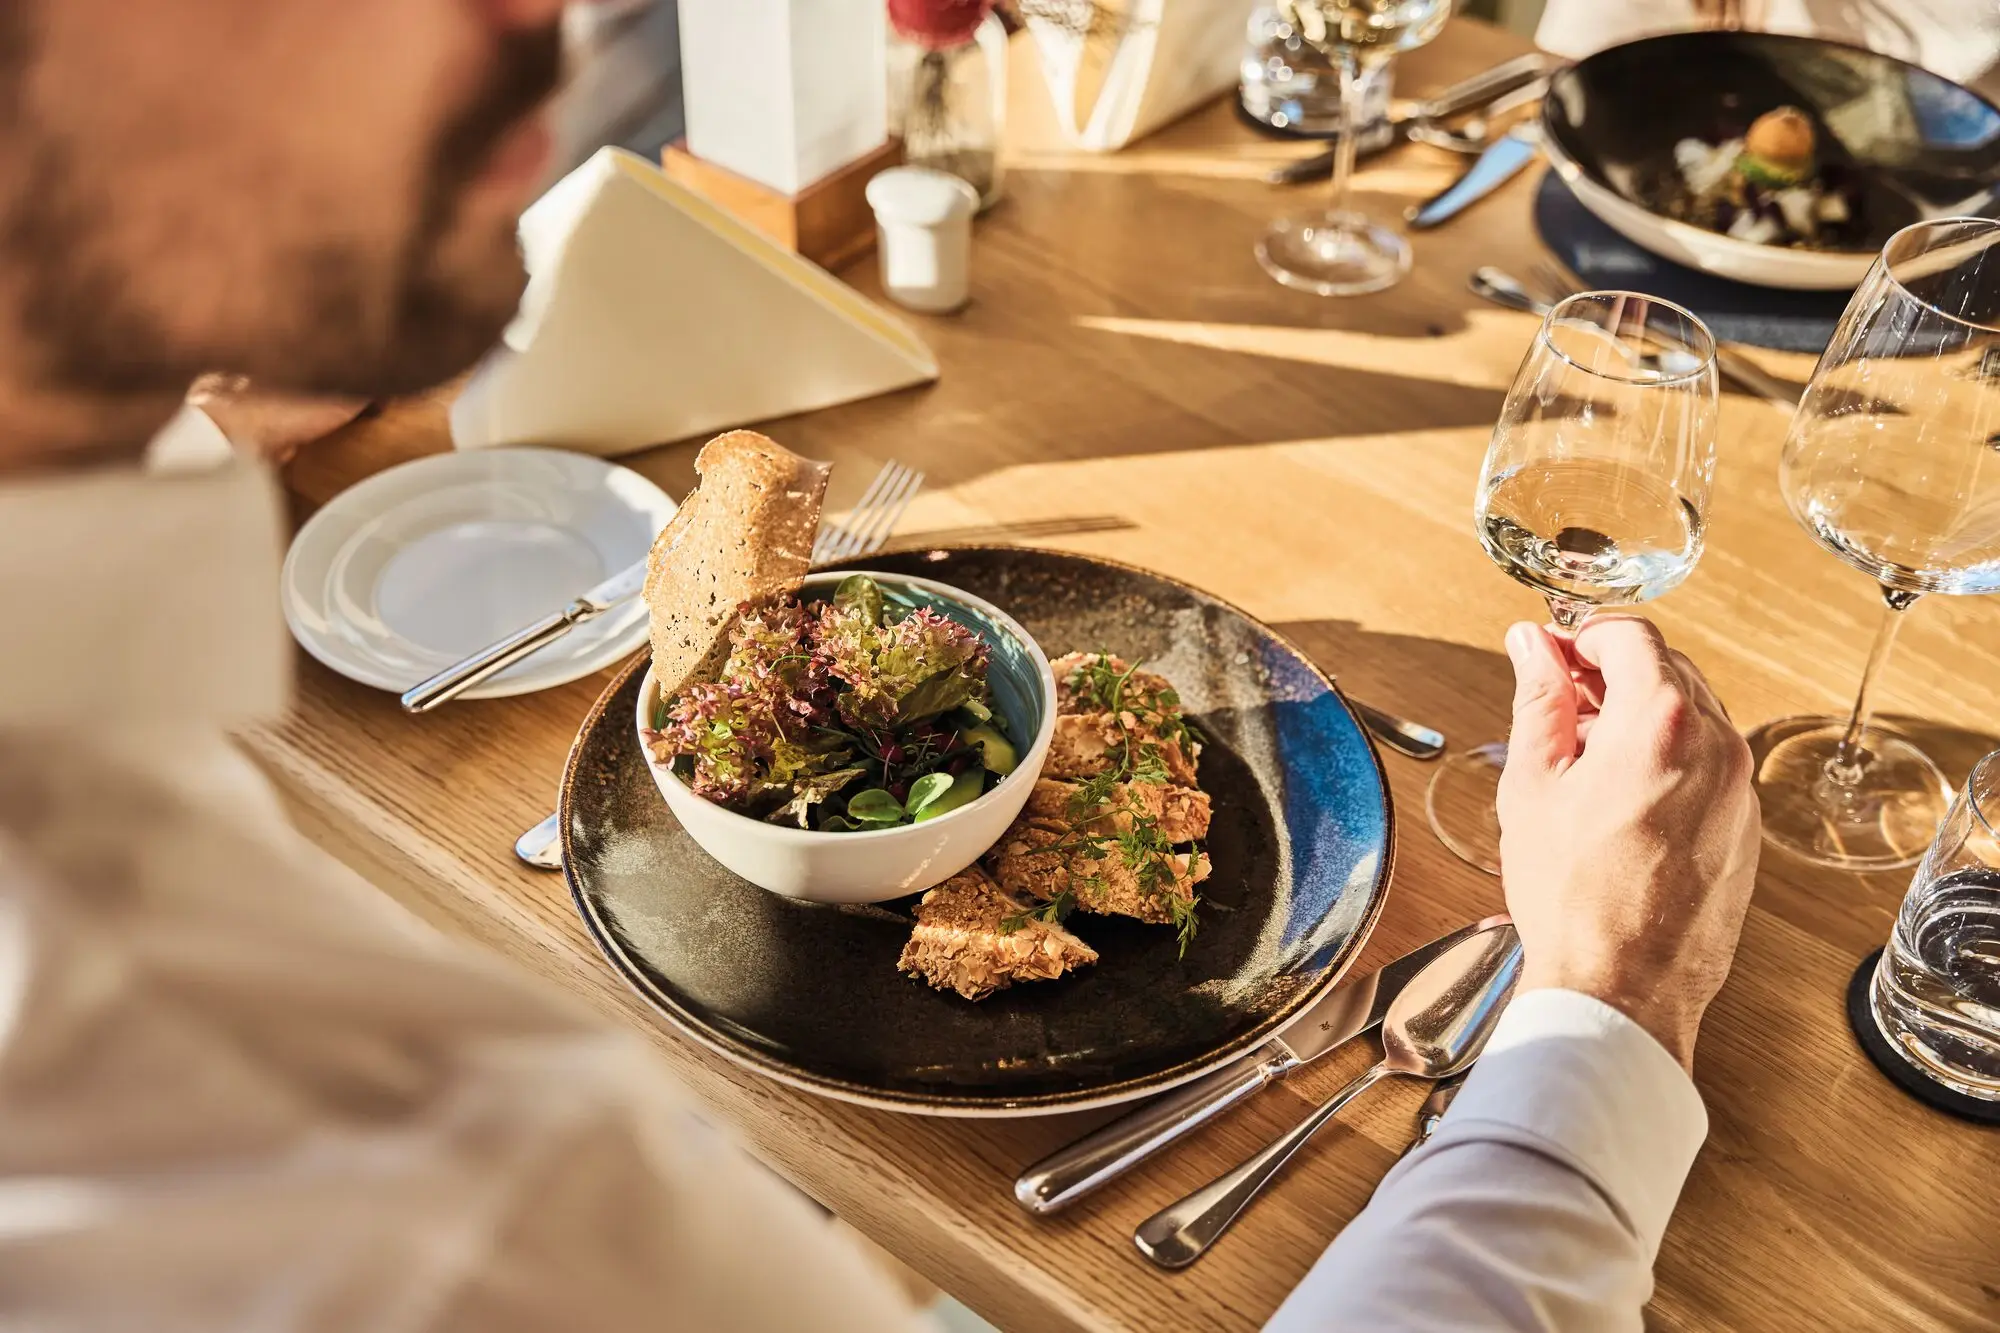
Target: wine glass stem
[1850, 760]
[1351, 97]
[1566, 613]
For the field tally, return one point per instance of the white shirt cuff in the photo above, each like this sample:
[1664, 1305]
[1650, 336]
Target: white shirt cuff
[1571, 1077]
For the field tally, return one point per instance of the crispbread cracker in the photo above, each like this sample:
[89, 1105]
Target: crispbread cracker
[744, 534]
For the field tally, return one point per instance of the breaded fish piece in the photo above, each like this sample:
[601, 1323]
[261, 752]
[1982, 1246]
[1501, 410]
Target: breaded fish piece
[1182, 813]
[1026, 868]
[1076, 689]
[959, 945]
[1087, 744]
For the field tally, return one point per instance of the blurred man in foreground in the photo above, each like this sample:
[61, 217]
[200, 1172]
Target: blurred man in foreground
[239, 1089]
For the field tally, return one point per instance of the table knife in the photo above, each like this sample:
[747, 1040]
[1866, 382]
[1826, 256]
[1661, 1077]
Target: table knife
[1500, 163]
[454, 680]
[1350, 1009]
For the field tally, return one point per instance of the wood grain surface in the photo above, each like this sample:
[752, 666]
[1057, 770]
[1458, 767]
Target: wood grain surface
[1128, 383]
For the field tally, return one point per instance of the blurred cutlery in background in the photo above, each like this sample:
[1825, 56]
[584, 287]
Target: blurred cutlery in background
[1501, 162]
[1424, 120]
[1503, 289]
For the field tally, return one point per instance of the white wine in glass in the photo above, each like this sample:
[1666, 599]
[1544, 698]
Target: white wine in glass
[1588, 532]
[1594, 491]
[1337, 252]
[1892, 464]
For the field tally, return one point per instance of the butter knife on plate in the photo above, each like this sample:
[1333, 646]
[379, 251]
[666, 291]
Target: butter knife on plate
[461, 676]
[1345, 1012]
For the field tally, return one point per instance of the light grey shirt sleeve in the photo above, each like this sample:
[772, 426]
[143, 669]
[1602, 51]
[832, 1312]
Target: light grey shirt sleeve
[1540, 1202]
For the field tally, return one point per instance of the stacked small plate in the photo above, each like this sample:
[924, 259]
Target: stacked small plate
[409, 571]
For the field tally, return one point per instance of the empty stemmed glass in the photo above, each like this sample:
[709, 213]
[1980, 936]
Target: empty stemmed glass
[1338, 252]
[1594, 491]
[1891, 464]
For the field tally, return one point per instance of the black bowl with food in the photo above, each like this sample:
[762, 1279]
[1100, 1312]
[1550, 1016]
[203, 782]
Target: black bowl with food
[1776, 160]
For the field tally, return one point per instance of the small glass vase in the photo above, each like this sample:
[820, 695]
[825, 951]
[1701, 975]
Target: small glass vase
[949, 105]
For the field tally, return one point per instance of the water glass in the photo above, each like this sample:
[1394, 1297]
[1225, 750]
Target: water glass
[1936, 995]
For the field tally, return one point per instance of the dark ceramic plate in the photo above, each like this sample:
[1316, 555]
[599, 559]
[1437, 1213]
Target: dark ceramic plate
[1913, 144]
[810, 994]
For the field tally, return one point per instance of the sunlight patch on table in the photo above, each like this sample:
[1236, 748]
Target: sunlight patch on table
[1312, 528]
[1483, 353]
[1252, 162]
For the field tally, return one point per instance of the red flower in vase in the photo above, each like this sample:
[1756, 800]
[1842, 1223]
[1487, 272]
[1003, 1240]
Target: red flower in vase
[938, 24]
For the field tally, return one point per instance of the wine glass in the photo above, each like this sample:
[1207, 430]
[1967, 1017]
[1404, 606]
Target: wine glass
[1594, 491]
[1338, 252]
[1891, 465]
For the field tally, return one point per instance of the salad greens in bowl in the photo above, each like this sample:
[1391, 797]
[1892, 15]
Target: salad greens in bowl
[862, 741]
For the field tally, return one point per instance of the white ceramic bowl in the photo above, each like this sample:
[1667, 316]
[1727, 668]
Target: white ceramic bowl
[880, 864]
[1710, 251]
[1913, 144]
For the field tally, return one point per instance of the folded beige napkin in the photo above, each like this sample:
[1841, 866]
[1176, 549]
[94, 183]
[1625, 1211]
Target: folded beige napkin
[651, 315]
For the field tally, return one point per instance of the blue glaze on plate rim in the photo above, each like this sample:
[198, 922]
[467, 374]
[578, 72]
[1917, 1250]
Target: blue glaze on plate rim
[1303, 822]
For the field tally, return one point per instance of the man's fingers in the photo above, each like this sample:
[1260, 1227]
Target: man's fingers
[1626, 650]
[1545, 708]
[1697, 685]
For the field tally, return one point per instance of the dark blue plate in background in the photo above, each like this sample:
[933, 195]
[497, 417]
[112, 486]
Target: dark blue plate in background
[1302, 842]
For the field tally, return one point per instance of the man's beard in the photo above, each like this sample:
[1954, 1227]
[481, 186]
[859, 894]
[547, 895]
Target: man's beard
[348, 323]
[445, 320]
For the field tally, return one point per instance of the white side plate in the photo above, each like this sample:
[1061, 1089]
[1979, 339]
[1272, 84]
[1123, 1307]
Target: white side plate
[409, 571]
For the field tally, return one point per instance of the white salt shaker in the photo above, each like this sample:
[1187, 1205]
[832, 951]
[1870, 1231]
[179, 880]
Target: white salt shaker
[923, 230]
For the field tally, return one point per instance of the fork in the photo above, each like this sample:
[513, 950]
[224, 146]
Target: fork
[1558, 283]
[873, 517]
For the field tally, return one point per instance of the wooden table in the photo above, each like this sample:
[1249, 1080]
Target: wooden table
[1128, 383]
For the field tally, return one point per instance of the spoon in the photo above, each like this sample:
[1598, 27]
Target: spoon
[1400, 734]
[1435, 1028]
[541, 846]
[1503, 289]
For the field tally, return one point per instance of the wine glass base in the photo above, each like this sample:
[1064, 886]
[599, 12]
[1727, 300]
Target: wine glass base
[1461, 804]
[1884, 822]
[1333, 254]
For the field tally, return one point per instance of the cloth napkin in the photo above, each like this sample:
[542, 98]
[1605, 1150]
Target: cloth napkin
[652, 315]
